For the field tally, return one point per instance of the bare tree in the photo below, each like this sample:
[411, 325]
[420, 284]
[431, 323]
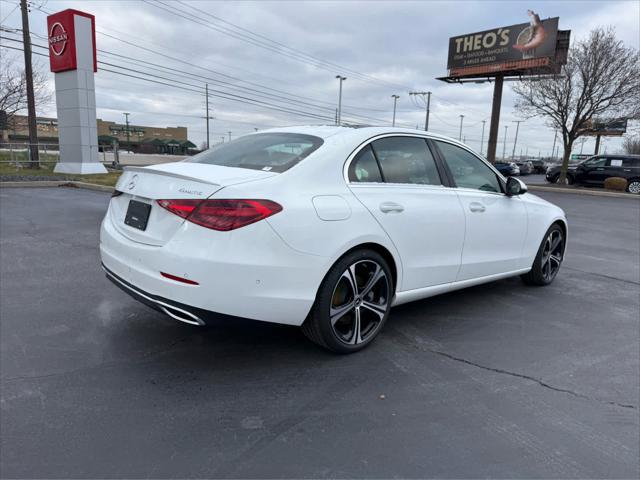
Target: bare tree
[13, 86]
[601, 77]
[631, 145]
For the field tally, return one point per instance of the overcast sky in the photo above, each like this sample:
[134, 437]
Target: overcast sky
[383, 48]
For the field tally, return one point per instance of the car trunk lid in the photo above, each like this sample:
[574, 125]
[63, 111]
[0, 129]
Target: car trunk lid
[145, 185]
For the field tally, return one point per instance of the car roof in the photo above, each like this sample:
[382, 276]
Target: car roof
[356, 133]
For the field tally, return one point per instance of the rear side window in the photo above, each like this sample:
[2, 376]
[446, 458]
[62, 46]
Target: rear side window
[406, 160]
[631, 162]
[272, 152]
[364, 167]
[468, 170]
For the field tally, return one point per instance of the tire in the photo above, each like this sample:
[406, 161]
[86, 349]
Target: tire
[357, 316]
[548, 259]
[633, 186]
[555, 178]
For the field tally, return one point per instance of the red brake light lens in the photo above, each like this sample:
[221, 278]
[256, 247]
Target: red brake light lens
[183, 208]
[222, 215]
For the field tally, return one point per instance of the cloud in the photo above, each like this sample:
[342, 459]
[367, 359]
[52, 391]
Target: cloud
[403, 43]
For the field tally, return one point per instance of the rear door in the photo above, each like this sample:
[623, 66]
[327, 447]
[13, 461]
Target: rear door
[496, 225]
[398, 180]
[630, 167]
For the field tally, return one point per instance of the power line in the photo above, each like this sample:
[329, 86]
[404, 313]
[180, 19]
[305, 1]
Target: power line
[275, 46]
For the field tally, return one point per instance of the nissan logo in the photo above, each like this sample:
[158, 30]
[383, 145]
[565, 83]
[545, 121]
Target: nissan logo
[132, 183]
[57, 39]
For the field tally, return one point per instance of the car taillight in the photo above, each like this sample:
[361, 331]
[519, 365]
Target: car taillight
[182, 208]
[223, 215]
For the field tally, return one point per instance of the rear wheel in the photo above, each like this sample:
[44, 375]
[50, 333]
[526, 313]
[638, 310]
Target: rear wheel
[353, 303]
[549, 258]
[634, 186]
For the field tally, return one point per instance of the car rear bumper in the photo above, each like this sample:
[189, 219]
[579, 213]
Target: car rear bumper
[177, 311]
[251, 274]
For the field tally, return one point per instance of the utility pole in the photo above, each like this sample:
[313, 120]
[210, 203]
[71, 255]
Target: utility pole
[395, 101]
[339, 114]
[513, 153]
[460, 134]
[206, 94]
[482, 139]
[34, 155]
[504, 144]
[428, 104]
[127, 131]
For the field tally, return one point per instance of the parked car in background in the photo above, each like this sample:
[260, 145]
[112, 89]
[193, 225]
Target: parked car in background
[508, 169]
[539, 166]
[595, 170]
[526, 167]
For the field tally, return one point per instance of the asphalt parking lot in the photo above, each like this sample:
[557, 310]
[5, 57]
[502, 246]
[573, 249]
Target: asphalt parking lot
[500, 380]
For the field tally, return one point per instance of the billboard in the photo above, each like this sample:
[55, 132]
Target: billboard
[525, 45]
[613, 127]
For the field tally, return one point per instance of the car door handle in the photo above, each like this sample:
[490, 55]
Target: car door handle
[477, 207]
[627, 169]
[599, 169]
[388, 207]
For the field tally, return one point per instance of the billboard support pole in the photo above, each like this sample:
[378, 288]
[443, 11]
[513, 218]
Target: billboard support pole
[495, 118]
[597, 149]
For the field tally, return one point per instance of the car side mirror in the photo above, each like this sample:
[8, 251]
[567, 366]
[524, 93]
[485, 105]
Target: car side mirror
[515, 186]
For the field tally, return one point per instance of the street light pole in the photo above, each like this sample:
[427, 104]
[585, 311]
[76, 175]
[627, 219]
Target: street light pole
[513, 154]
[339, 114]
[127, 131]
[229, 135]
[460, 134]
[395, 101]
[504, 144]
[553, 150]
[482, 139]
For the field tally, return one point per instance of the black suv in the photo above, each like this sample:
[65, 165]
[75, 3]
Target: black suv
[595, 170]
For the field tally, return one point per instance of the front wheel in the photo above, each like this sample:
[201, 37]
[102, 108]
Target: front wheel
[352, 304]
[549, 258]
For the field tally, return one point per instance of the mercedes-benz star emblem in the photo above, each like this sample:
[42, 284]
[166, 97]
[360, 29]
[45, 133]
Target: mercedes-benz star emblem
[132, 183]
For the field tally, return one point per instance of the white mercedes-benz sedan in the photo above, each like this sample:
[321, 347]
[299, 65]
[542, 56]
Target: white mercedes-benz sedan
[323, 227]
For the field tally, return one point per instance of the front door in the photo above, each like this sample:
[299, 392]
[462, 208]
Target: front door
[496, 225]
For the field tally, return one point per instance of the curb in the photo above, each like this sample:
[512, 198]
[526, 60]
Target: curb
[576, 191]
[57, 183]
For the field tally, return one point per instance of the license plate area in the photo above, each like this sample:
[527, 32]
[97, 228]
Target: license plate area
[137, 214]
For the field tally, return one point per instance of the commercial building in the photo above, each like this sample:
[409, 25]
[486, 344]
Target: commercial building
[142, 139]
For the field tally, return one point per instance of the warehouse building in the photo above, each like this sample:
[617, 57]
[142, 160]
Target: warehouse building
[142, 139]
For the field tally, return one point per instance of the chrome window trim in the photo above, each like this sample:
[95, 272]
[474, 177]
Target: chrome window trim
[369, 141]
[482, 159]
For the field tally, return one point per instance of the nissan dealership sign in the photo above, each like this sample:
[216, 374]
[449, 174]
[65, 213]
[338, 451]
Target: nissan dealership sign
[505, 48]
[61, 28]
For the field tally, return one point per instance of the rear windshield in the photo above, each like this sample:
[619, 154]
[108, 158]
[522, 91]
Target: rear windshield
[271, 152]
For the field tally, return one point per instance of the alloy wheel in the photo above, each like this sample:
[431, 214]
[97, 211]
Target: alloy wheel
[552, 255]
[634, 187]
[359, 302]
